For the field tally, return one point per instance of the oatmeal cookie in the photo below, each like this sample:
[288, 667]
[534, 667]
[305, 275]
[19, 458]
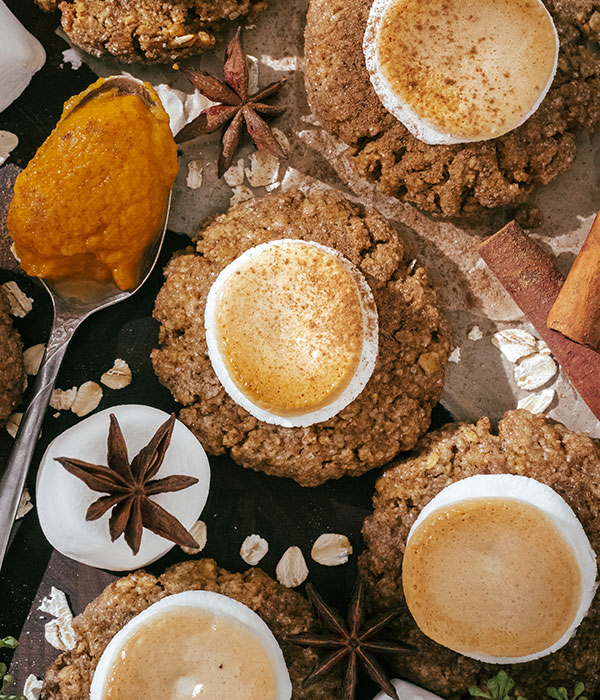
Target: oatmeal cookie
[459, 179]
[393, 410]
[526, 444]
[150, 31]
[284, 611]
[12, 372]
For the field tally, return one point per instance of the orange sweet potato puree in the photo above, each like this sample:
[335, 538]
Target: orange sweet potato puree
[93, 196]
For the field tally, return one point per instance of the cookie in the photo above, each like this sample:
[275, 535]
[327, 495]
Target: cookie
[12, 372]
[284, 611]
[460, 179]
[526, 444]
[149, 31]
[393, 410]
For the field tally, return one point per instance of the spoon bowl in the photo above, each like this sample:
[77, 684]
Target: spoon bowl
[73, 301]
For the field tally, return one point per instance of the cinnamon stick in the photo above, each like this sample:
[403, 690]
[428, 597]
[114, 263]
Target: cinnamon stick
[576, 311]
[532, 280]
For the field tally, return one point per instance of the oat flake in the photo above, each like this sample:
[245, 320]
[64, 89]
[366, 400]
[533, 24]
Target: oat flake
[331, 549]
[515, 343]
[19, 303]
[292, 570]
[534, 371]
[118, 376]
[253, 549]
[199, 533]
[537, 403]
[32, 358]
[58, 632]
[87, 399]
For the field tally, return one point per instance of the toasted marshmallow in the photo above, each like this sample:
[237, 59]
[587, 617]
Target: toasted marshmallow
[62, 499]
[204, 614]
[292, 331]
[499, 568]
[455, 71]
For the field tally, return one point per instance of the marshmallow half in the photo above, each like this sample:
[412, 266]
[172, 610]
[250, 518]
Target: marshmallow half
[460, 71]
[62, 499]
[292, 332]
[505, 487]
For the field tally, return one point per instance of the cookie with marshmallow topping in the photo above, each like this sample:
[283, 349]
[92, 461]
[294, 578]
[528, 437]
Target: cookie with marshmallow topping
[390, 401]
[484, 501]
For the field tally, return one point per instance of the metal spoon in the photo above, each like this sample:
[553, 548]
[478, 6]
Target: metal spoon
[72, 302]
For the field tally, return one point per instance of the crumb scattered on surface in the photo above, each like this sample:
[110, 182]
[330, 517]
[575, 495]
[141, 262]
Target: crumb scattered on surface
[526, 444]
[8, 143]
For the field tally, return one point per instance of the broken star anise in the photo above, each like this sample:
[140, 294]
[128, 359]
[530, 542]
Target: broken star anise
[351, 640]
[235, 107]
[129, 486]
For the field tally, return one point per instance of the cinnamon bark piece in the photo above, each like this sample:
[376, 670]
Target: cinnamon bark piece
[534, 283]
[576, 311]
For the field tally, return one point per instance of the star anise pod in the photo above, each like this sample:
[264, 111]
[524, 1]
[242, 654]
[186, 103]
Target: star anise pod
[351, 640]
[129, 486]
[236, 107]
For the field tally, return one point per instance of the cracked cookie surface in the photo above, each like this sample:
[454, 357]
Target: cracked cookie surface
[285, 612]
[460, 179]
[528, 445]
[393, 410]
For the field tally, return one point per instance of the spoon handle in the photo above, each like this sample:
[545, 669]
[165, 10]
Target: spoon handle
[13, 479]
